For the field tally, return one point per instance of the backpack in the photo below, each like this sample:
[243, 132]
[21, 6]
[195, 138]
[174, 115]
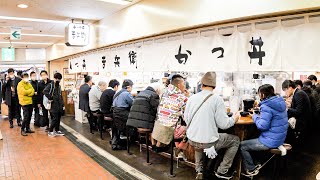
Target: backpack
[46, 101]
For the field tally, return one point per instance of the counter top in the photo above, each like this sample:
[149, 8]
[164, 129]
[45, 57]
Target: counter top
[245, 120]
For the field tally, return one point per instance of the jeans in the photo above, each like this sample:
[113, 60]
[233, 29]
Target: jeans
[250, 145]
[27, 113]
[228, 141]
[14, 110]
[55, 121]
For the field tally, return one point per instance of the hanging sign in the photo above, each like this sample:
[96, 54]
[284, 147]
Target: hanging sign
[15, 33]
[77, 34]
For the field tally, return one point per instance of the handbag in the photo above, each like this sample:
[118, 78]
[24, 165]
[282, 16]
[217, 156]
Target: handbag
[46, 102]
[184, 143]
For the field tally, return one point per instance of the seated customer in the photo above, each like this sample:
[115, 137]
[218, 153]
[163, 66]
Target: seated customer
[144, 109]
[122, 102]
[300, 110]
[273, 123]
[205, 113]
[94, 96]
[107, 98]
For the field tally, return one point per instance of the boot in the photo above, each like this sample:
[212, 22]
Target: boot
[29, 131]
[11, 124]
[23, 133]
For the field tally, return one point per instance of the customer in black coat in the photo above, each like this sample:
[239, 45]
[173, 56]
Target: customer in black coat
[41, 86]
[106, 98]
[144, 108]
[54, 93]
[300, 109]
[35, 98]
[84, 100]
[10, 96]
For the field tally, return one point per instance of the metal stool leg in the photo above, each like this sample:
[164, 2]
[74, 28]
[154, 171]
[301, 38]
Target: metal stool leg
[128, 141]
[100, 124]
[171, 165]
[147, 143]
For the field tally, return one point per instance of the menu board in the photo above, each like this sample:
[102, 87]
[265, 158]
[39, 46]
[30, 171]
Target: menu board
[68, 79]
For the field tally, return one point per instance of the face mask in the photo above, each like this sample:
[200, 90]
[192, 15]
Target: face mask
[33, 78]
[44, 77]
[57, 81]
[26, 79]
[11, 76]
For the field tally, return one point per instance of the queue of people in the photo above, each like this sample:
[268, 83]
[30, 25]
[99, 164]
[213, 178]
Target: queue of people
[28, 93]
[172, 113]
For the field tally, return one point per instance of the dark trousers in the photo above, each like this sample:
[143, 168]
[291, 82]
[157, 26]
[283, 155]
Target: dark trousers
[115, 136]
[45, 115]
[14, 110]
[27, 113]
[36, 113]
[55, 121]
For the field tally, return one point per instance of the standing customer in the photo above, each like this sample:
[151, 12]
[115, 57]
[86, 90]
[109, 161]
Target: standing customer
[25, 94]
[84, 100]
[122, 102]
[35, 98]
[42, 85]
[205, 113]
[53, 93]
[10, 97]
[273, 124]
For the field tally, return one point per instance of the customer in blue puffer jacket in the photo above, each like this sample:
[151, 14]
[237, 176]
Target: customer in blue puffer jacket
[273, 124]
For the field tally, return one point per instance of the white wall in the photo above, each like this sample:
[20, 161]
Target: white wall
[154, 16]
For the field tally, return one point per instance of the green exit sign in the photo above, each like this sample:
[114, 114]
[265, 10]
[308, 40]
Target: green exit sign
[7, 54]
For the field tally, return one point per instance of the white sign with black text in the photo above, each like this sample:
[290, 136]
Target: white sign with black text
[77, 34]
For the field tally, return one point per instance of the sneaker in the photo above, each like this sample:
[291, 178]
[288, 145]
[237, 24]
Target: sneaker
[23, 133]
[224, 176]
[59, 133]
[51, 134]
[253, 172]
[199, 176]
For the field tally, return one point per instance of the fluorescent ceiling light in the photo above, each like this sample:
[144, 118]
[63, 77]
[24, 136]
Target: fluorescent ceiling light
[121, 2]
[30, 43]
[23, 6]
[42, 35]
[33, 19]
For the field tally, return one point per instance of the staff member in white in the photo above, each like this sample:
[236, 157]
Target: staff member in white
[204, 114]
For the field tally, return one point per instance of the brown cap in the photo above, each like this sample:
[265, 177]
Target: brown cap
[209, 79]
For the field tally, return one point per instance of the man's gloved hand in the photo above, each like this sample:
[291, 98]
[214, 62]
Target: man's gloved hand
[210, 152]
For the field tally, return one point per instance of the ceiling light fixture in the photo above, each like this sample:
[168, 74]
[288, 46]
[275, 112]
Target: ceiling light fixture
[120, 2]
[33, 20]
[30, 43]
[41, 35]
[22, 6]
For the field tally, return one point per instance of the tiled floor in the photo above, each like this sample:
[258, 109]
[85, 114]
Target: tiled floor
[39, 157]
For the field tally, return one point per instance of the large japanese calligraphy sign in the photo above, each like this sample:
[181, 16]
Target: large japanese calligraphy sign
[277, 49]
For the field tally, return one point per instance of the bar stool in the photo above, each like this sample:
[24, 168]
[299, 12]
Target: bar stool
[279, 159]
[108, 119]
[146, 133]
[99, 117]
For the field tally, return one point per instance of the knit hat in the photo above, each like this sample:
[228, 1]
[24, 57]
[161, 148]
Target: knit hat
[209, 79]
